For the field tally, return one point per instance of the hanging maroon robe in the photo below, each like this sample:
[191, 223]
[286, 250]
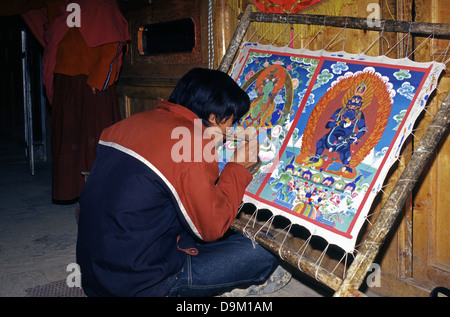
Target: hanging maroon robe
[76, 61]
[78, 118]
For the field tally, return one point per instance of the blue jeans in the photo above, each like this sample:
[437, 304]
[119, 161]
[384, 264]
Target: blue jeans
[222, 266]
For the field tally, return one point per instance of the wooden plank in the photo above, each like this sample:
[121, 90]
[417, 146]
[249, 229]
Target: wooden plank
[398, 258]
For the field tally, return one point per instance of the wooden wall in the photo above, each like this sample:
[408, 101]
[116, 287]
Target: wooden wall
[146, 79]
[416, 257]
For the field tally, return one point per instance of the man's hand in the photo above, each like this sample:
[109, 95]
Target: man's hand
[247, 153]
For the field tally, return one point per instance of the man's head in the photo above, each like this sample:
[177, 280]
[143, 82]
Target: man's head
[211, 95]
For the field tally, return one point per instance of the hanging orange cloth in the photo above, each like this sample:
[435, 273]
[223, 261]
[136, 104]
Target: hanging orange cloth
[284, 6]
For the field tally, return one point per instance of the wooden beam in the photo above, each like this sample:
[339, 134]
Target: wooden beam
[289, 256]
[415, 28]
[293, 258]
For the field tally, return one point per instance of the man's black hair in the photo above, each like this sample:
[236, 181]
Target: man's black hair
[206, 91]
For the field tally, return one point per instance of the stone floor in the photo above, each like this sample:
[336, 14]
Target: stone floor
[37, 237]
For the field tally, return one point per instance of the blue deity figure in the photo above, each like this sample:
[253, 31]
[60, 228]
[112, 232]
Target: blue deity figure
[347, 125]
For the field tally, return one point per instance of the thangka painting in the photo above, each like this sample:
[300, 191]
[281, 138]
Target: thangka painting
[329, 125]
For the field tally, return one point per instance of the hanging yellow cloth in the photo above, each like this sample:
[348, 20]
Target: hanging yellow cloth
[284, 6]
[279, 34]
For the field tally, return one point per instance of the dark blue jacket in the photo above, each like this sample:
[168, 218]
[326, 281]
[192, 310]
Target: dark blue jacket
[140, 210]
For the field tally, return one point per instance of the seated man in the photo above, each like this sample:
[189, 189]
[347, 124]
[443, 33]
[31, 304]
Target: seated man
[153, 215]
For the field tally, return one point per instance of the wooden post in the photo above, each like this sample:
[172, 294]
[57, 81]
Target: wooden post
[394, 204]
[236, 41]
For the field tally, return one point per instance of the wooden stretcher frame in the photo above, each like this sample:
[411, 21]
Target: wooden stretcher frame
[391, 210]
